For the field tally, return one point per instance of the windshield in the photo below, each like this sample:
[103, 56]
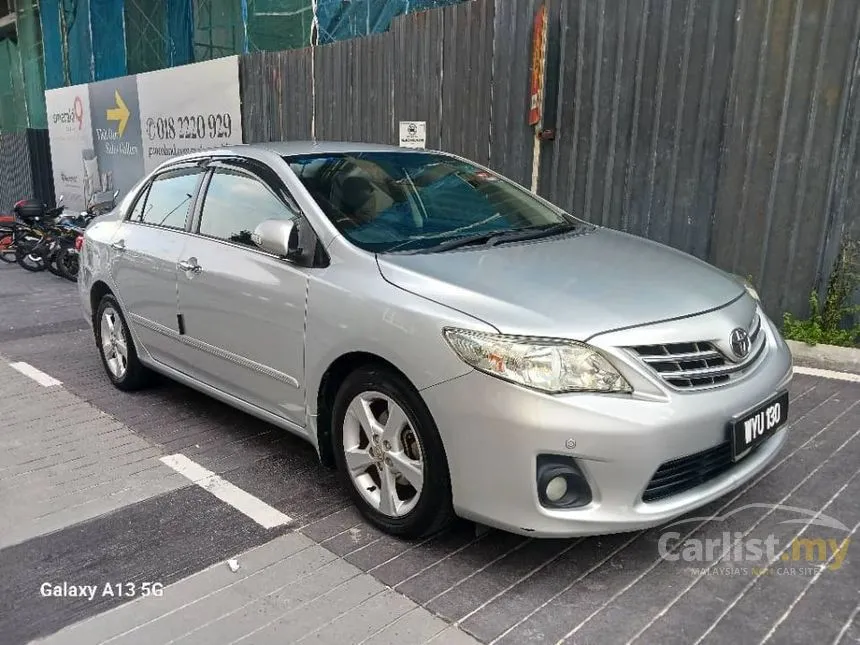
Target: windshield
[411, 201]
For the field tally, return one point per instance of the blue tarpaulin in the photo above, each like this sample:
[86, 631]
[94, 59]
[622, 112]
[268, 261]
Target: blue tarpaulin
[107, 28]
[87, 40]
[75, 26]
[342, 19]
[180, 33]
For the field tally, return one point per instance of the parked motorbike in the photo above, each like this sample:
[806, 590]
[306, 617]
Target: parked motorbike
[66, 248]
[32, 233]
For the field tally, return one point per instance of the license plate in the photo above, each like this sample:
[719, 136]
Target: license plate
[757, 425]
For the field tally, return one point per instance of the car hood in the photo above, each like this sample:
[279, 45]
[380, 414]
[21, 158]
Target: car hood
[573, 286]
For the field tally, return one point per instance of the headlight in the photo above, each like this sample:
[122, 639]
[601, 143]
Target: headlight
[548, 365]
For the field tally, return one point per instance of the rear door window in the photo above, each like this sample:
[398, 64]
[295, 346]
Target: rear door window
[168, 200]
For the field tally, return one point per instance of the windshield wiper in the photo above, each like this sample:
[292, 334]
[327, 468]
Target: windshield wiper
[497, 237]
[466, 240]
[492, 238]
[532, 233]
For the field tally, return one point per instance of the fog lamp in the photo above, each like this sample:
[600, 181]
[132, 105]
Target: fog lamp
[561, 483]
[556, 488]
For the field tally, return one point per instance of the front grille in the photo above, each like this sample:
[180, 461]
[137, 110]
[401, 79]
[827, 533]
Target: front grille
[699, 363]
[682, 474]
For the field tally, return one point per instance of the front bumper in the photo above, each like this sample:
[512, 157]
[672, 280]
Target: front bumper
[493, 432]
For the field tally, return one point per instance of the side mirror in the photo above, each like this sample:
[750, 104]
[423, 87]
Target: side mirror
[279, 237]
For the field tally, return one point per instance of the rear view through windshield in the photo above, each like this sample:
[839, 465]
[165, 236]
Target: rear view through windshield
[408, 201]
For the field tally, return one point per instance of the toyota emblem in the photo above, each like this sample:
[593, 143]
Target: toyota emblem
[740, 342]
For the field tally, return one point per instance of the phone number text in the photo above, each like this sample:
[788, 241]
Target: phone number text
[190, 126]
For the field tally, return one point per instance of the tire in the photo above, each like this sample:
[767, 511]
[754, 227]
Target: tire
[28, 260]
[67, 263]
[133, 375]
[52, 264]
[414, 436]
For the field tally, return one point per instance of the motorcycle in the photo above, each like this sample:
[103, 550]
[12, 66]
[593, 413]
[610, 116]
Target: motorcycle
[31, 235]
[66, 248]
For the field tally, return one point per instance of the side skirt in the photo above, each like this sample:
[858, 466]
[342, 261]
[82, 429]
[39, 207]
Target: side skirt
[229, 399]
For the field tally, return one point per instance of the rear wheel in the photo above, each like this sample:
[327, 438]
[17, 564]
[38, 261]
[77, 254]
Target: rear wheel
[119, 355]
[67, 263]
[390, 455]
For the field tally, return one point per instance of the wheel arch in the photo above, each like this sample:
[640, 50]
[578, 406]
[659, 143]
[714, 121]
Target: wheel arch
[330, 383]
[98, 290]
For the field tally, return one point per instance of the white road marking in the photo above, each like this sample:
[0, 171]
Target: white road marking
[839, 376]
[263, 514]
[45, 380]
[846, 626]
[776, 558]
[761, 519]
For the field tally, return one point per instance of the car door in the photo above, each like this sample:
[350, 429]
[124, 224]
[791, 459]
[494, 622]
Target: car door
[144, 254]
[242, 309]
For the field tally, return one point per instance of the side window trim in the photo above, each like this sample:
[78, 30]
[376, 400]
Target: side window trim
[140, 198]
[193, 225]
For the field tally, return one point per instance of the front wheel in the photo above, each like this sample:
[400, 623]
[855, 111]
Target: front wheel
[30, 255]
[390, 455]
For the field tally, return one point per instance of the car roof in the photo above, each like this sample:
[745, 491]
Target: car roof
[289, 148]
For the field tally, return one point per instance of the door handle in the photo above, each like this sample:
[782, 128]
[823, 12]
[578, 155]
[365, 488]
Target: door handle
[119, 245]
[190, 265]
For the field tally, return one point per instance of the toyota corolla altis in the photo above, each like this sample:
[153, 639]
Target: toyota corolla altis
[452, 343]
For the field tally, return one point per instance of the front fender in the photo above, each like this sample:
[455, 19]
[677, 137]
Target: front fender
[352, 308]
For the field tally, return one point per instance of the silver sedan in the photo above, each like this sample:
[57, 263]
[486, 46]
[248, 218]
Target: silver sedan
[450, 342]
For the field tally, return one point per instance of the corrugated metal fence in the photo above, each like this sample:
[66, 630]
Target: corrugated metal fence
[26, 169]
[443, 66]
[726, 128]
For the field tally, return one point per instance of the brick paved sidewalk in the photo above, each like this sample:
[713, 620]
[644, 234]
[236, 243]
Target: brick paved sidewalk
[79, 492]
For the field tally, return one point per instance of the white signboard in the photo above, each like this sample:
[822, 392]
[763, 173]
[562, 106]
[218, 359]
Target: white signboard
[73, 160]
[107, 135]
[413, 134]
[188, 108]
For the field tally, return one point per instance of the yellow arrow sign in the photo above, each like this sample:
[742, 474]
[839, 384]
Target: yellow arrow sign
[119, 113]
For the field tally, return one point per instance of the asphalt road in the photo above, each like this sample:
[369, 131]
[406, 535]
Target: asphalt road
[116, 515]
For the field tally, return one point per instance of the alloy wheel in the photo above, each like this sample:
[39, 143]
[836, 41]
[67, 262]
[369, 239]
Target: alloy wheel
[114, 343]
[383, 454]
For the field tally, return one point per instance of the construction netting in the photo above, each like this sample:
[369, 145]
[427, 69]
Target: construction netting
[66, 42]
[87, 40]
[13, 112]
[22, 87]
